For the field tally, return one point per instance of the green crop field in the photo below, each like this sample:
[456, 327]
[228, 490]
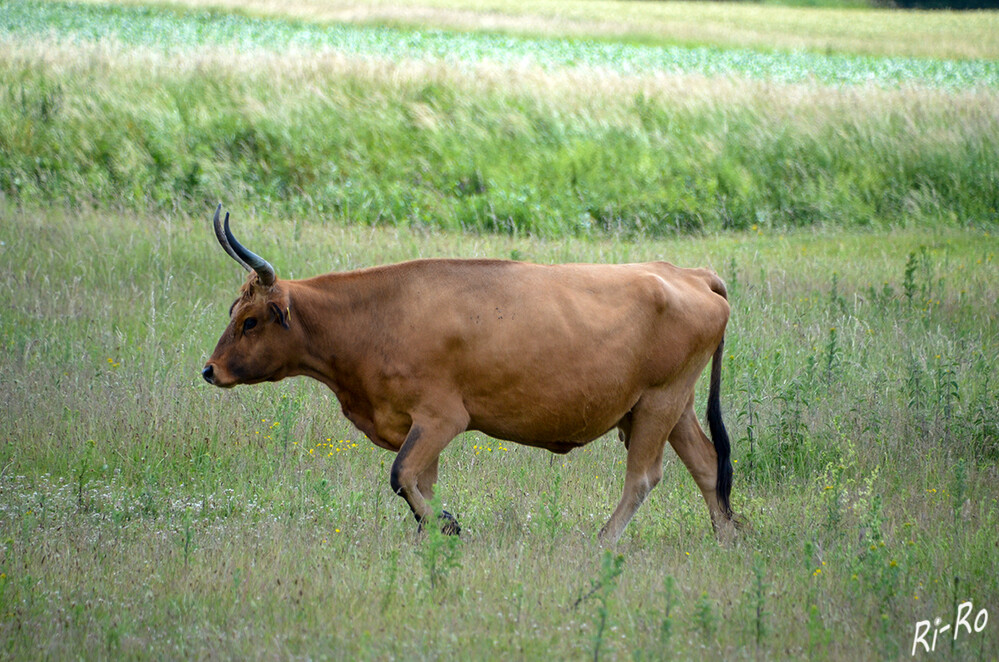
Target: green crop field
[837, 28]
[845, 185]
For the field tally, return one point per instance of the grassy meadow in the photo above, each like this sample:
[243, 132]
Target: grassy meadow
[147, 515]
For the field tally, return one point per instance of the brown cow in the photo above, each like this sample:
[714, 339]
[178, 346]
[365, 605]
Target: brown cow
[546, 356]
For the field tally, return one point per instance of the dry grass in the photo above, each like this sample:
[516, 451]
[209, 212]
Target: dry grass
[868, 32]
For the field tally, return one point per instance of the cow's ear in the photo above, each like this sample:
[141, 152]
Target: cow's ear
[282, 317]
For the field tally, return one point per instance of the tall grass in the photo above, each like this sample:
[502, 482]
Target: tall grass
[144, 513]
[422, 145]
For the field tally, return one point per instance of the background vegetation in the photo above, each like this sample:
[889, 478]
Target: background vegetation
[464, 135]
[826, 26]
[144, 514]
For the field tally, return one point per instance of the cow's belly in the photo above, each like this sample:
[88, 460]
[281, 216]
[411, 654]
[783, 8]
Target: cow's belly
[550, 418]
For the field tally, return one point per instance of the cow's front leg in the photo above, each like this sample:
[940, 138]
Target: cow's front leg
[425, 483]
[414, 471]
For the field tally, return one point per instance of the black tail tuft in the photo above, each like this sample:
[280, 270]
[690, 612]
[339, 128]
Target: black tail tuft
[719, 436]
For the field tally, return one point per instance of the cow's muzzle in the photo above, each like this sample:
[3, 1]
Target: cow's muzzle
[209, 374]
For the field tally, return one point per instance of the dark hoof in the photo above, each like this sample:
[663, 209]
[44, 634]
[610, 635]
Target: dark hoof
[449, 525]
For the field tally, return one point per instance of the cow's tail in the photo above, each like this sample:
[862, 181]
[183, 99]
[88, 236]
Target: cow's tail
[719, 436]
[723, 488]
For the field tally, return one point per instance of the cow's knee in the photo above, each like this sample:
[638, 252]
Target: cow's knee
[396, 477]
[404, 474]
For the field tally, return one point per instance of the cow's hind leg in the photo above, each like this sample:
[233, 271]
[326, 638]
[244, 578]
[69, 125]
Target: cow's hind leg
[414, 471]
[699, 456]
[645, 439]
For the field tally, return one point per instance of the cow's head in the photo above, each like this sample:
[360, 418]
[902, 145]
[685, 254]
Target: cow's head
[258, 345]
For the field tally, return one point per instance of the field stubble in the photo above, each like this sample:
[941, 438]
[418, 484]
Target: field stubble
[144, 513]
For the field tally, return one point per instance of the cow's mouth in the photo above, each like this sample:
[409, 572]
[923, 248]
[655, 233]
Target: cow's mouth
[213, 378]
[233, 377]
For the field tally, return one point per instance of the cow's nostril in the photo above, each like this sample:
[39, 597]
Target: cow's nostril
[209, 374]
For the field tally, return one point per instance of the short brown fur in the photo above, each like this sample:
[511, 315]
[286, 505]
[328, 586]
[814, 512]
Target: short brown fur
[546, 356]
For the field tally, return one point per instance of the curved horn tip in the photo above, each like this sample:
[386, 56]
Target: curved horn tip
[252, 261]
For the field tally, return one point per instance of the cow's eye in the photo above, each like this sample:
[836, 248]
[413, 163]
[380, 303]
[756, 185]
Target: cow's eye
[249, 323]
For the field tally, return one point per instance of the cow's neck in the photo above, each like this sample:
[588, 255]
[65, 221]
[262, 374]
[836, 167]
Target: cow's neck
[335, 322]
[332, 321]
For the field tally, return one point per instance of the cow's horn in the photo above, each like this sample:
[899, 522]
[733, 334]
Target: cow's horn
[220, 235]
[246, 257]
